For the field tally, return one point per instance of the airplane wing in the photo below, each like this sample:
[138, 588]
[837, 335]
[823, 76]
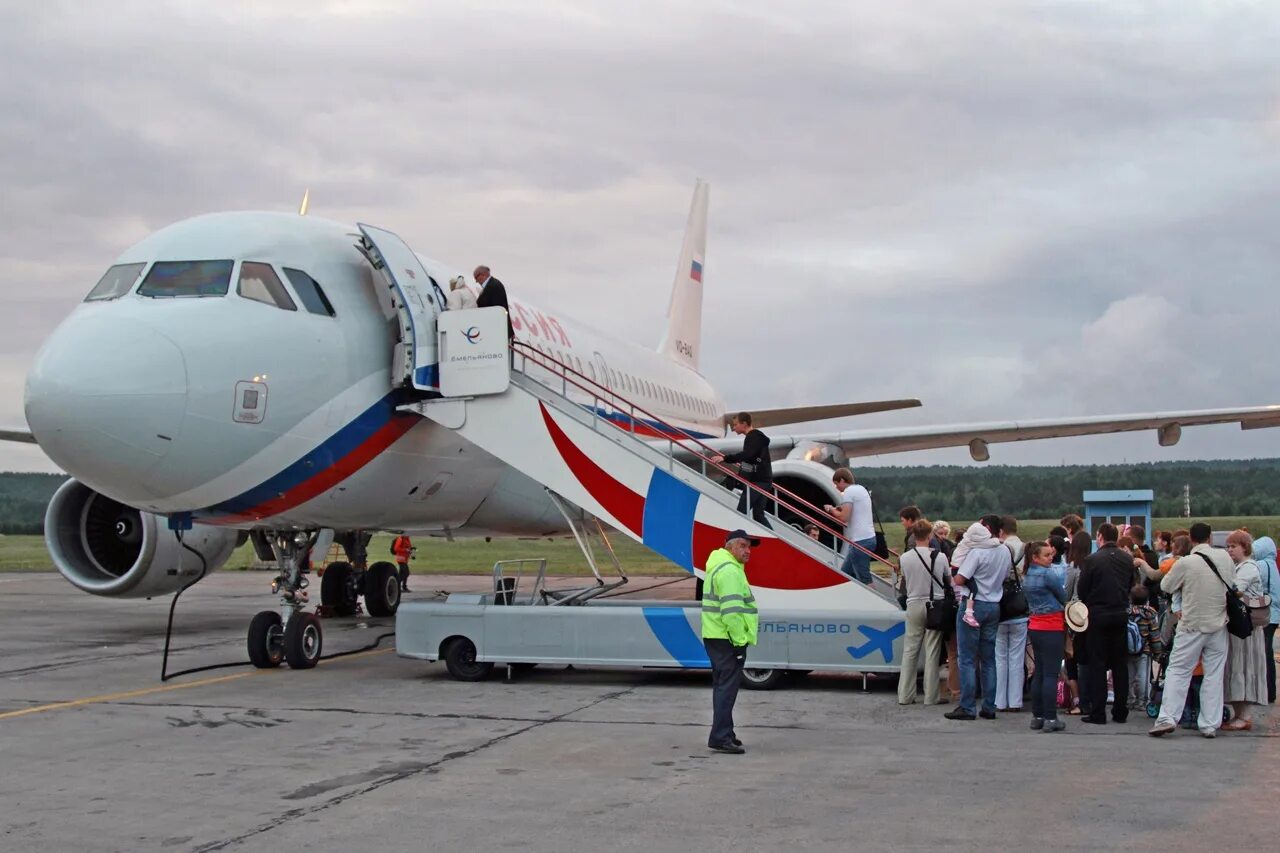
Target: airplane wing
[17, 435]
[1168, 427]
[804, 414]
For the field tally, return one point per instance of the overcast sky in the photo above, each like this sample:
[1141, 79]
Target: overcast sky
[1006, 209]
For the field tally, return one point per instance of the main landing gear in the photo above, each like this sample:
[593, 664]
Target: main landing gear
[344, 583]
[291, 634]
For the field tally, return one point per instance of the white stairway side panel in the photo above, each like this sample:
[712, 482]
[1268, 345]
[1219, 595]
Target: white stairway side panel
[514, 428]
[667, 507]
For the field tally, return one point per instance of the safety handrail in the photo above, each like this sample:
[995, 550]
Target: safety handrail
[538, 357]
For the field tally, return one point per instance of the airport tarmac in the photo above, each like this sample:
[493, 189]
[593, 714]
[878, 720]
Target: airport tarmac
[374, 752]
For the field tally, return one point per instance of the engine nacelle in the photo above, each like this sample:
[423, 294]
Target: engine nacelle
[107, 548]
[808, 480]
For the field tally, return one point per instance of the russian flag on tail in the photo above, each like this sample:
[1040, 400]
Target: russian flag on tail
[695, 271]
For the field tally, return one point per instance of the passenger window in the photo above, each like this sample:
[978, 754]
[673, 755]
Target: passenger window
[187, 278]
[313, 298]
[260, 283]
[115, 282]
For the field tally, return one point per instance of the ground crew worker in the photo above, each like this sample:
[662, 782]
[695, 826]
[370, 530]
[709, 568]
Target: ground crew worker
[403, 548]
[729, 623]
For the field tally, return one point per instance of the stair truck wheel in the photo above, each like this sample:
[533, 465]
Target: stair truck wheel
[303, 641]
[382, 589]
[337, 589]
[266, 640]
[460, 659]
[762, 679]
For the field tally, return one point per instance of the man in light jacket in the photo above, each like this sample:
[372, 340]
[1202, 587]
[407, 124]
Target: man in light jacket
[1202, 577]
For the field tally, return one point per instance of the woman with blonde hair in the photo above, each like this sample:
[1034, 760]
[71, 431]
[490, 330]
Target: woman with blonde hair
[1246, 683]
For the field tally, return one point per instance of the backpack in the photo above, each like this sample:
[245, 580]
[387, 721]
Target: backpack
[1133, 635]
[393, 545]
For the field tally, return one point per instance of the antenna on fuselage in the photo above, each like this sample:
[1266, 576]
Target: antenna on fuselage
[306, 199]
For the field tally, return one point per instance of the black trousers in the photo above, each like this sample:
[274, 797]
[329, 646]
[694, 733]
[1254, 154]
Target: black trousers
[759, 503]
[727, 661]
[404, 574]
[1047, 648]
[1108, 650]
[1270, 633]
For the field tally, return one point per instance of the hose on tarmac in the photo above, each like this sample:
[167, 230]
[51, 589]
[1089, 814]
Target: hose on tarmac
[165, 675]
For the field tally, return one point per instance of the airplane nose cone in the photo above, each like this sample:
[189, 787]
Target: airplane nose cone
[106, 399]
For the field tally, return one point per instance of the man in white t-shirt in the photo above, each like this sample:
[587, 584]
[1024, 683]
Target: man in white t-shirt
[854, 512]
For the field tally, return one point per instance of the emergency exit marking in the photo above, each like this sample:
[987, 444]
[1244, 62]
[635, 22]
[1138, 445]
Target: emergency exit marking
[250, 402]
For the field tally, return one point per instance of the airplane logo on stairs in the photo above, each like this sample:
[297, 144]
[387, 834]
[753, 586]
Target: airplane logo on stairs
[878, 641]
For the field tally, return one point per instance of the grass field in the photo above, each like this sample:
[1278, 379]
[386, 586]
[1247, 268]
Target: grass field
[475, 556]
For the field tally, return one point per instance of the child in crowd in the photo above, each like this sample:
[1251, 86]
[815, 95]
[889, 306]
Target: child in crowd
[979, 537]
[1147, 620]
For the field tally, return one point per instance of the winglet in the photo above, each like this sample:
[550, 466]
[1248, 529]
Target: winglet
[306, 200]
[684, 313]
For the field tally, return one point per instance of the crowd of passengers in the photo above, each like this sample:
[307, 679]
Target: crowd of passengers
[1098, 627]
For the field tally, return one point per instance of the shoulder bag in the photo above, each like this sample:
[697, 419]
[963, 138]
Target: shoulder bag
[1013, 601]
[1238, 622]
[939, 613]
[881, 548]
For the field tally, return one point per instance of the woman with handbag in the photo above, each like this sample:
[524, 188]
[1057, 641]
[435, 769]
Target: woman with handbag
[929, 602]
[1246, 682]
[1046, 598]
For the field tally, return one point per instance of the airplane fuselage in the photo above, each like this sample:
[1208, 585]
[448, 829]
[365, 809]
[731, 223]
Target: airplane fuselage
[247, 414]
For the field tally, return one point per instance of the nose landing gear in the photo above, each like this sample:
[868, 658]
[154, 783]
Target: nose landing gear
[292, 634]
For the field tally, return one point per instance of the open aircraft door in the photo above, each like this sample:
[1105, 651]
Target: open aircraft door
[417, 300]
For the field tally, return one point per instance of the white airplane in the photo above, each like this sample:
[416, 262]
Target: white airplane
[247, 373]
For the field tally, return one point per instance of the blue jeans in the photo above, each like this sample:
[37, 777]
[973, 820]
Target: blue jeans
[974, 645]
[857, 562]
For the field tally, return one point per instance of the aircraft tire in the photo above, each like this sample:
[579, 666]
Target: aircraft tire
[460, 660]
[266, 640]
[762, 679]
[382, 589]
[303, 641]
[337, 590]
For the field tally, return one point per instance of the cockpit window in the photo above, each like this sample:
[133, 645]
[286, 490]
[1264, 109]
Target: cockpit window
[187, 278]
[115, 282]
[260, 283]
[313, 298]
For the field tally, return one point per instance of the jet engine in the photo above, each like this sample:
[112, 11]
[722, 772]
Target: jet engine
[106, 548]
[808, 480]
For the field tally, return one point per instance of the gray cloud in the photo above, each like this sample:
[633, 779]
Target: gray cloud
[1008, 210]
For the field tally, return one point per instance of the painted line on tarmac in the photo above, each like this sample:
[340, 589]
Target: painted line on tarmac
[163, 688]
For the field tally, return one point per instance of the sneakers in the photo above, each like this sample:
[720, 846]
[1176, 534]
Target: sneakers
[959, 714]
[1208, 733]
[1037, 723]
[1053, 726]
[1162, 729]
[987, 715]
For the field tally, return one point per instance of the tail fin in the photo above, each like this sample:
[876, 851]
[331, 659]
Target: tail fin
[684, 314]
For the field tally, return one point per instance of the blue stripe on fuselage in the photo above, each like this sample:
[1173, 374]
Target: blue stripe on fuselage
[338, 445]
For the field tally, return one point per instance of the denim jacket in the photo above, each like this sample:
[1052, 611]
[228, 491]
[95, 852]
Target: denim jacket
[1044, 590]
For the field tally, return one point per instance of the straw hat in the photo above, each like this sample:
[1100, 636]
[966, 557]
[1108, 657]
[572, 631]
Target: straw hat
[1077, 616]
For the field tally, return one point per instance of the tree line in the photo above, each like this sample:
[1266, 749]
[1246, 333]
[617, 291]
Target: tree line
[1218, 488]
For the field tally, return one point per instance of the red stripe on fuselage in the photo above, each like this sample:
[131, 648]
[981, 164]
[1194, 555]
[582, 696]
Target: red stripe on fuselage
[386, 435]
[619, 501]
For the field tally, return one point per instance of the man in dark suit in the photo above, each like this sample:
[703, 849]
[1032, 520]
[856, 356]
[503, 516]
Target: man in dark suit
[1105, 579]
[493, 293]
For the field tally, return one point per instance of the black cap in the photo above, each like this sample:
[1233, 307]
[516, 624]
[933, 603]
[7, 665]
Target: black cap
[741, 534]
